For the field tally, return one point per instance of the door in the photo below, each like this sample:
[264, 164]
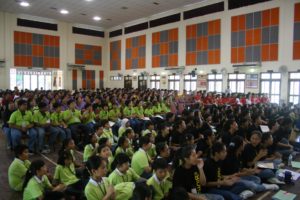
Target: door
[128, 82]
[142, 84]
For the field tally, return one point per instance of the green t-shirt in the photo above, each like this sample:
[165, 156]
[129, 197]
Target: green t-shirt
[121, 131]
[36, 187]
[117, 177]
[149, 112]
[161, 188]
[56, 118]
[18, 119]
[139, 161]
[128, 111]
[114, 114]
[75, 116]
[139, 110]
[40, 118]
[124, 190]
[164, 108]
[153, 132]
[107, 133]
[65, 175]
[96, 190]
[16, 173]
[89, 117]
[152, 151]
[88, 152]
[103, 115]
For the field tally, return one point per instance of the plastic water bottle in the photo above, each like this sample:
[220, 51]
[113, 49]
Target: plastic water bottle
[290, 160]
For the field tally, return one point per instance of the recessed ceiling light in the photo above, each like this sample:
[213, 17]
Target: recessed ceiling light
[64, 11]
[88, 0]
[97, 18]
[24, 4]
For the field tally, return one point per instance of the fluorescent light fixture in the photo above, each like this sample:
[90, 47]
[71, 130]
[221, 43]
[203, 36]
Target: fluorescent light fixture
[89, 0]
[97, 18]
[64, 11]
[24, 4]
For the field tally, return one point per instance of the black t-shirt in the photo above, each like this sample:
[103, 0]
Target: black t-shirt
[231, 165]
[160, 138]
[249, 154]
[212, 170]
[204, 147]
[280, 134]
[189, 179]
[177, 137]
[251, 129]
[242, 132]
[226, 138]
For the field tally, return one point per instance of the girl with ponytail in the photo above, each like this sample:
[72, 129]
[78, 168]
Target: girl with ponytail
[37, 185]
[189, 174]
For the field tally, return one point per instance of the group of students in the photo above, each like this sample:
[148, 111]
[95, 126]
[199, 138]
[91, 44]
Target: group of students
[208, 152]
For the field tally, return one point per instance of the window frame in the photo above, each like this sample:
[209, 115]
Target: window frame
[236, 80]
[270, 80]
[214, 80]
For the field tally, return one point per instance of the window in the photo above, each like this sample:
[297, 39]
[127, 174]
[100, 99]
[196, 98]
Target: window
[174, 82]
[236, 83]
[215, 82]
[154, 81]
[190, 83]
[294, 87]
[30, 79]
[270, 85]
[115, 78]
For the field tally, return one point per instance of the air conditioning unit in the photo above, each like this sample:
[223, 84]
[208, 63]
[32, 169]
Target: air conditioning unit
[255, 64]
[75, 66]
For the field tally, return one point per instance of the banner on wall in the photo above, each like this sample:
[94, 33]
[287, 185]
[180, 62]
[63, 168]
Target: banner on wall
[252, 81]
[202, 82]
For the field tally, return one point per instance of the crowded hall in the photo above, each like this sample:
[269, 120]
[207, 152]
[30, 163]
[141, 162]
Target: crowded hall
[150, 100]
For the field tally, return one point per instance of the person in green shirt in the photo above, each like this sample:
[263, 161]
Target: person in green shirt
[65, 173]
[105, 152]
[72, 118]
[18, 168]
[21, 122]
[37, 184]
[88, 117]
[141, 160]
[58, 123]
[122, 172]
[103, 115]
[98, 186]
[139, 110]
[107, 132]
[114, 114]
[150, 129]
[124, 125]
[149, 110]
[159, 180]
[42, 122]
[91, 148]
[123, 146]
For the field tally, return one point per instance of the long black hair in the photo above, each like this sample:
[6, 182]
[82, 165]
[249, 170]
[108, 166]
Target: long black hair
[142, 191]
[64, 145]
[181, 154]
[235, 143]
[121, 141]
[34, 167]
[64, 155]
[120, 159]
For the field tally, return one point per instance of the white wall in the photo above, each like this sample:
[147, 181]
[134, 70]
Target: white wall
[8, 24]
[285, 44]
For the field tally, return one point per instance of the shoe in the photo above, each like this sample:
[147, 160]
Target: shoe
[271, 186]
[246, 194]
[45, 151]
[275, 181]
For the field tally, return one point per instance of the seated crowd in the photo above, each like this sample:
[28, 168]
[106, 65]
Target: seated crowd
[150, 144]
